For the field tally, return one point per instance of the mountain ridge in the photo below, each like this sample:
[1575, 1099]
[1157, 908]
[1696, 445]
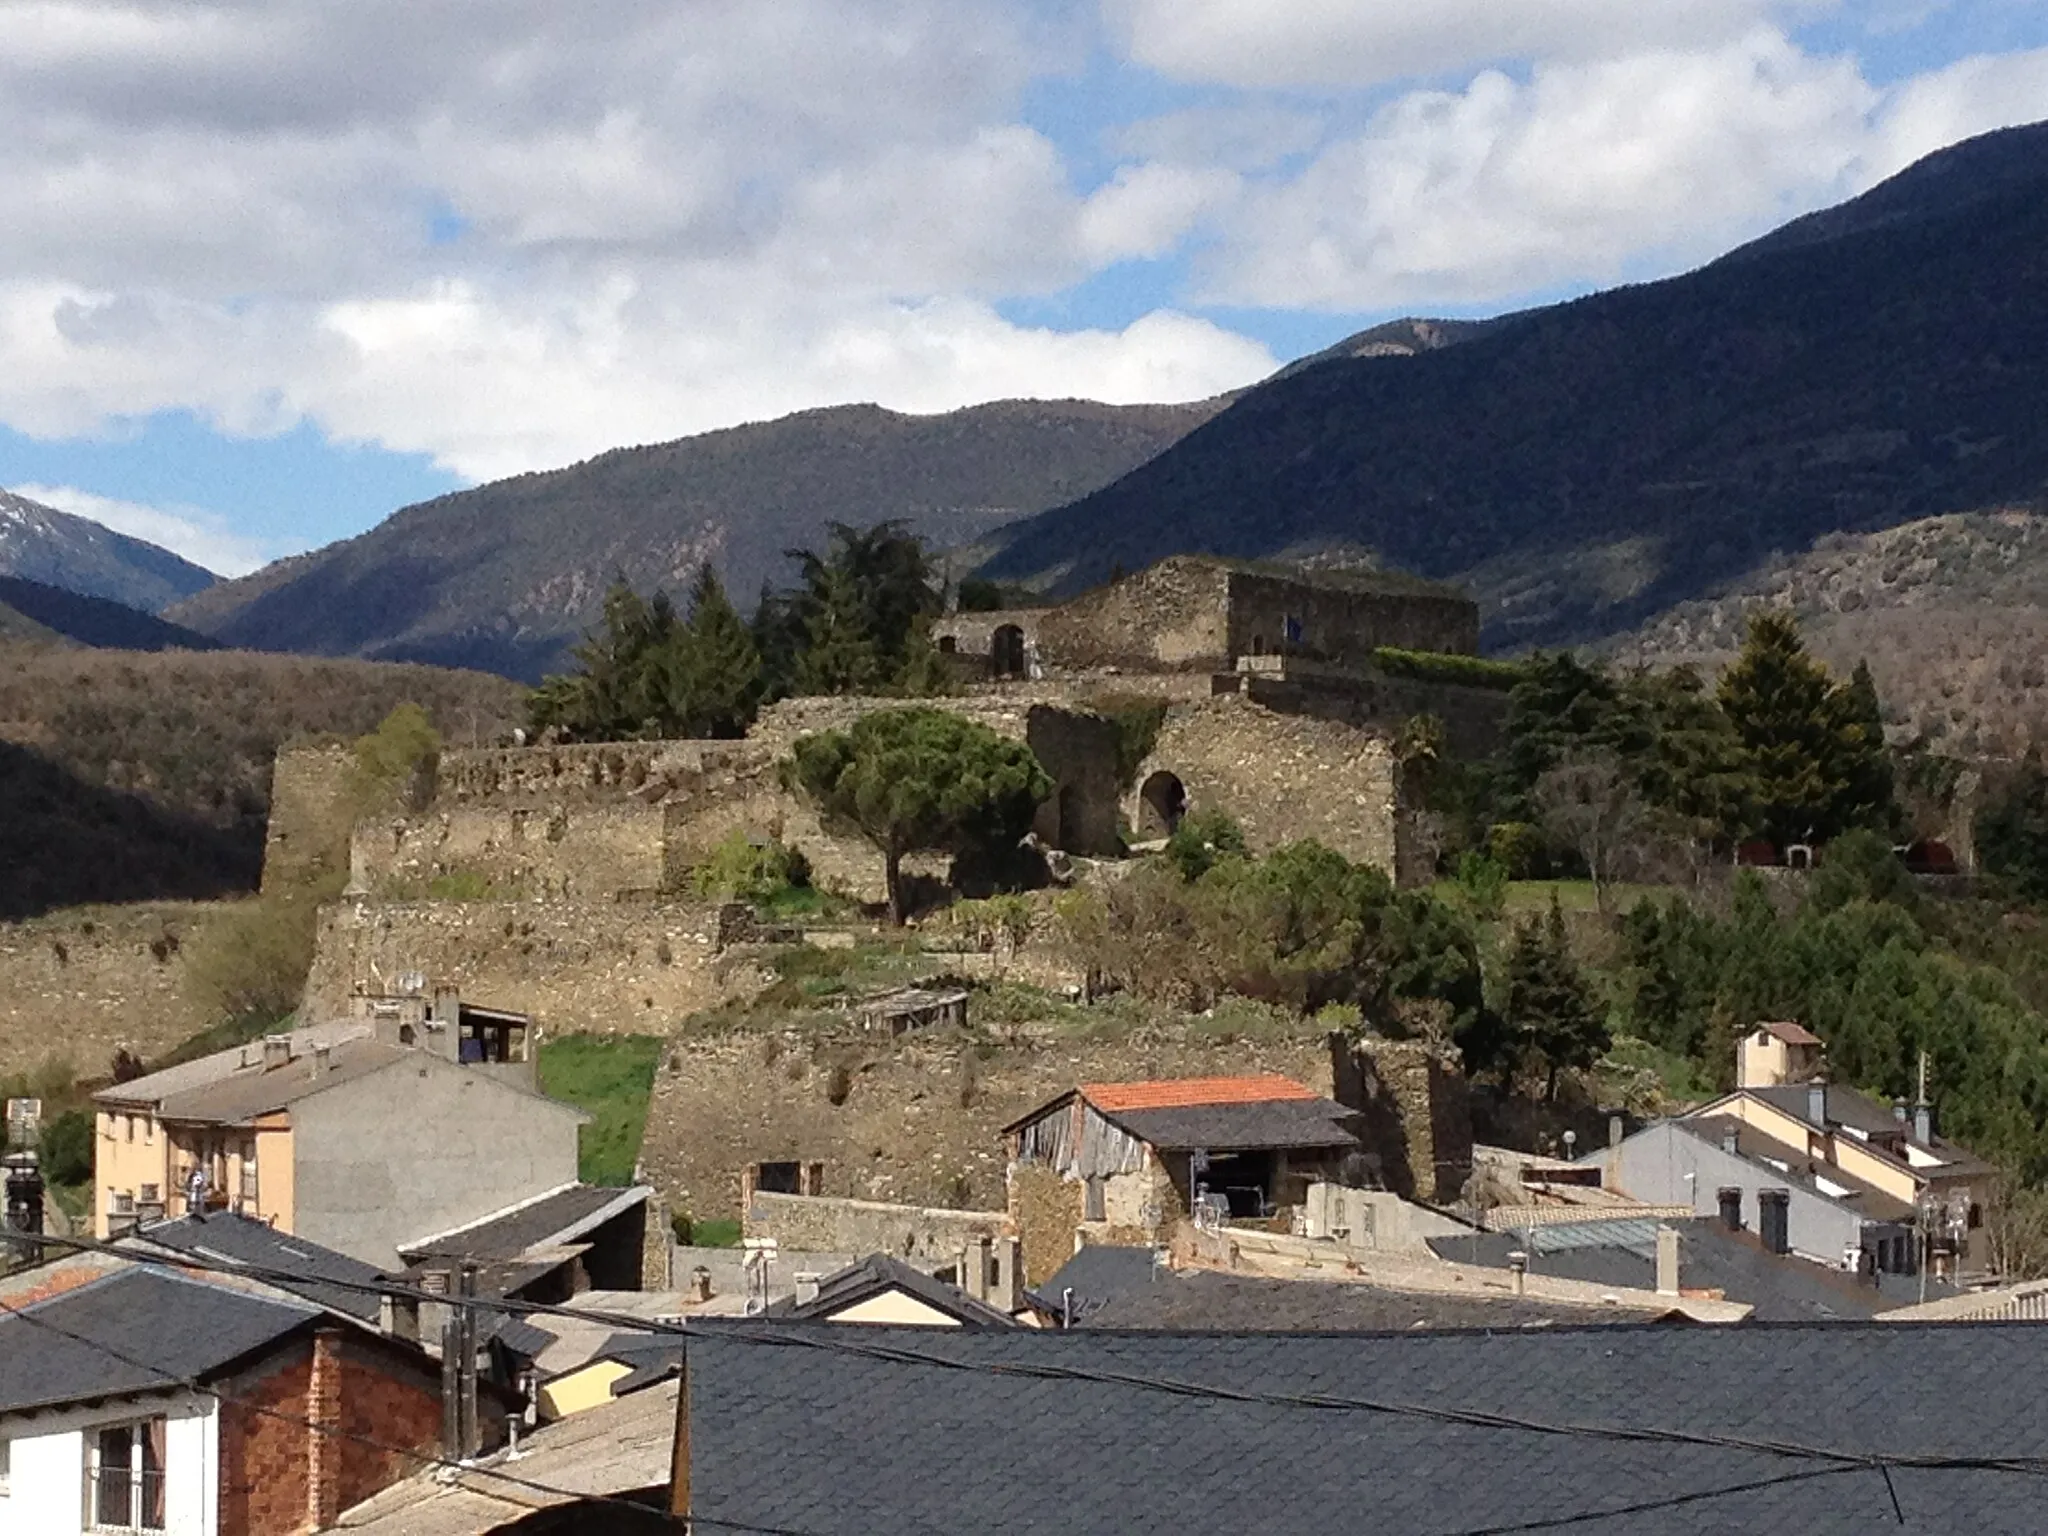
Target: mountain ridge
[59, 549]
[1584, 465]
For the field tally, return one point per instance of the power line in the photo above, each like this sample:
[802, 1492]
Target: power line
[838, 1341]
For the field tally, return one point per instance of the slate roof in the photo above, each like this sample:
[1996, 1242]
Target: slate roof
[242, 1243]
[1858, 1111]
[1426, 1434]
[158, 1329]
[1211, 1302]
[878, 1274]
[1792, 1165]
[558, 1217]
[192, 1075]
[1305, 1124]
[1781, 1288]
[1098, 1273]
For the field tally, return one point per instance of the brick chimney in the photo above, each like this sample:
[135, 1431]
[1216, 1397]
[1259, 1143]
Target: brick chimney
[323, 1432]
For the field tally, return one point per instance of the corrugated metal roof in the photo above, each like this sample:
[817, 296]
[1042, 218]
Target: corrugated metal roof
[1184, 1092]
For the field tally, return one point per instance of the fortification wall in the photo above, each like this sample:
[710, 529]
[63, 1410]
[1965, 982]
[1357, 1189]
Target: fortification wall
[81, 984]
[307, 839]
[1473, 718]
[1342, 624]
[920, 1118]
[579, 851]
[1282, 777]
[811, 1224]
[597, 967]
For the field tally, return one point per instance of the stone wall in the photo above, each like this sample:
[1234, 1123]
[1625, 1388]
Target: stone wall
[1282, 777]
[635, 968]
[79, 985]
[1473, 718]
[571, 851]
[821, 1224]
[1345, 619]
[919, 1118]
[1415, 1115]
[308, 834]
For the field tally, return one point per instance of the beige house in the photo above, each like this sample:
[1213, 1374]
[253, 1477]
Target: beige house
[1775, 1053]
[413, 1116]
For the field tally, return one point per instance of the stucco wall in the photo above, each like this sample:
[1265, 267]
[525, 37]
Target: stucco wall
[47, 1489]
[418, 1148]
[575, 966]
[1281, 777]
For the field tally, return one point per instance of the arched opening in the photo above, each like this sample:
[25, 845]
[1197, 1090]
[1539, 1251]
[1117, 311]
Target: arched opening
[948, 644]
[1258, 645]
[1162, 803]
[1006, 652]
[407, 1035]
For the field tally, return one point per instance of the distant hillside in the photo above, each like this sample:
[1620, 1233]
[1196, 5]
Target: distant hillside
[505, 576]
[1396, 338]
[92, 621]
[1950, 612]
[1586, 466]
[41, 544]
[127, 776]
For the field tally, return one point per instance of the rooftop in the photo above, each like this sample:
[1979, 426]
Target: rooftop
[1795, 1166]
[1635, 1431]
[239, 1242]
[878, 1274]
[191, 1075]
[1178, 1093]
[1210, 1301]
[1866, 1118]
[135, 1329]
[1789, 1032]
[551, 1220]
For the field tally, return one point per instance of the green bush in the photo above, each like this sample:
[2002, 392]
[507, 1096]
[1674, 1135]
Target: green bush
[1447, 667]
[742, 868]
[66, 1148]
[1517, 847]
[1202, 841]
[252, 964]
[1482, 886]
[706, 1231]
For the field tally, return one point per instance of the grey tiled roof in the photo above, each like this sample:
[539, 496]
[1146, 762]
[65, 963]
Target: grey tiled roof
[1239, 1127]
[1860, 1112]
[1213, 1302]
[554, 1218]
[241, 1243]
[1097, 1274]
[879, 1273]
[1781, 1288]
[150, 1330]
[1003, 1430]
[1793, 1165]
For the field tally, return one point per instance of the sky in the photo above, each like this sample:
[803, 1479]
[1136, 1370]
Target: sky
[270, 269]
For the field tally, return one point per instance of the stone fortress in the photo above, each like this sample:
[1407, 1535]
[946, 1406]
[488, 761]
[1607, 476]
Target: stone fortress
[556, 879]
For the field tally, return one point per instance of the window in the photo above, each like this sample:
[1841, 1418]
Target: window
[125, 1483]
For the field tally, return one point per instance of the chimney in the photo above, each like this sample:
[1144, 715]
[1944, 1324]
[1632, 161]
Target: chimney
[1817, 1102]
[1667, 1261]
[975, 1267]
[700, 1283]
[24, 1207]
[277, 1051]
[1008, 1292]
[1923, 1123]
[1729, 1197]
[1518, 1271]
[1899, 1114]
[323, 1059]
[1773, 1221]
[1617, 1128]
[1731, 1141]
[806, 1286]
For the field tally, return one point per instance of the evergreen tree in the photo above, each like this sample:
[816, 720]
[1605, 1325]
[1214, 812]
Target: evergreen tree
[1550, 1008]
[915, 780]
[714, 670]
[1814, 749]
[620, 685]
[839, 652]
[1695, 770]
[2012, 832]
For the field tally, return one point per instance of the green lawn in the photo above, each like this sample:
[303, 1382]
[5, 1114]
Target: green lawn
[610, 1077]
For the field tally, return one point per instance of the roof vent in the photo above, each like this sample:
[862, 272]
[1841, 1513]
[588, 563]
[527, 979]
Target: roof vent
[806, 1287]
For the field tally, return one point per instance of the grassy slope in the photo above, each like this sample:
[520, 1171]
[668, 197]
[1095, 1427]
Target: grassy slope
[610, 1077]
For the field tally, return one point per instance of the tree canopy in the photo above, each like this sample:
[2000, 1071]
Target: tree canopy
[920, 780]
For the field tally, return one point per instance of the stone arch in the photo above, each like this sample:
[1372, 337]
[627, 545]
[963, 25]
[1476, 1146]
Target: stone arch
[1162, 803]
[1258, 645]
[1006, 651]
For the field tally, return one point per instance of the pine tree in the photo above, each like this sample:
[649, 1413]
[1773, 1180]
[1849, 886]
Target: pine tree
[1550, 1008]
[839, 654]
[714, 682]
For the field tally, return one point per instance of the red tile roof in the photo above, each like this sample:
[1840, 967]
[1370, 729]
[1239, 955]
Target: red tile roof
[1187, 1092]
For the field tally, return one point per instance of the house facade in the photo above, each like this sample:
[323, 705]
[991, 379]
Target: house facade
[356, 1135]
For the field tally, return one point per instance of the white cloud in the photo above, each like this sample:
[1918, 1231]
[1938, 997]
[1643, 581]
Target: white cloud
[1353, 43]
[1590, 173]
[200, 536]
[1147, 209]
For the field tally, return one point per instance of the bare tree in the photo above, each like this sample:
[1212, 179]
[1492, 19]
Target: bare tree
[1590, 803]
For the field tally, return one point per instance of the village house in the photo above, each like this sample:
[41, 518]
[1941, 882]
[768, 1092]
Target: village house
[141, 1399]
[1144, 1155]
[412, 1116]
[1814, 1168]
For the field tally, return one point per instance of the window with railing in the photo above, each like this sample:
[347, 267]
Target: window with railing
[125, 1476]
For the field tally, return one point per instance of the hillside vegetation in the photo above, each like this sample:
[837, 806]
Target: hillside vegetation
[506, 576]
[126, 776]
[1951, 613]
[31, 610]
[1586, 466]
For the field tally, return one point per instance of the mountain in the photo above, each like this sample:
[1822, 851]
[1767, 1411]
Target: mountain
[31, 610]
[505, 576]
[1585, 466]
[39, 543]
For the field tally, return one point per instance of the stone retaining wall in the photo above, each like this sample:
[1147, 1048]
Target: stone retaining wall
[917, 1234]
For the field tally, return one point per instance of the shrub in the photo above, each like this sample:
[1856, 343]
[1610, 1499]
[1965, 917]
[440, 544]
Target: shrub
[66, 1148]
[1482, 886]
[743, 868]
[1201, 841]
[253, 962]
[1447, 667]
[1517, 847]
